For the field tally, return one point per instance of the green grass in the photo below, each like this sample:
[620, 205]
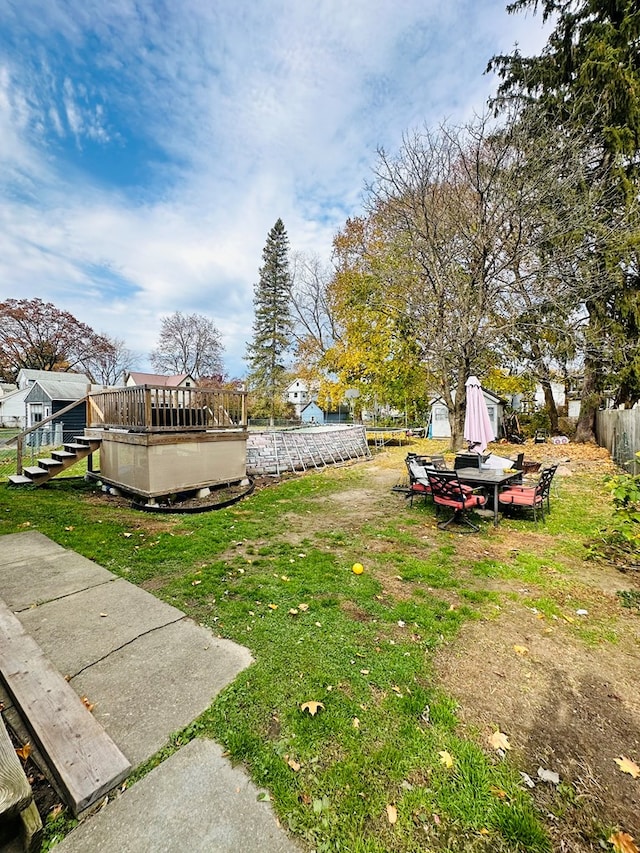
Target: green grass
[366, 653]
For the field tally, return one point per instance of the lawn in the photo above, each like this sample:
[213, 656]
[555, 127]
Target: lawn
[443, 641]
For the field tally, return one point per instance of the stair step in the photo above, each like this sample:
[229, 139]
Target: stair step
[87, 439]
[61, 455]
[85, 760]
[76, 447]
[35, 471]
[49, 463]
[20, 480]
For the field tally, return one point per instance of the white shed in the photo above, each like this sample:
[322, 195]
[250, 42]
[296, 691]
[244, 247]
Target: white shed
[439, 426]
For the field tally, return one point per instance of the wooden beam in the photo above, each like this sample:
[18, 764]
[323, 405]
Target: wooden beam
[15, 791]
[82, 756]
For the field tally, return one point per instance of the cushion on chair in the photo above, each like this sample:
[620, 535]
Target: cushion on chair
[524, 497]
[468, 503]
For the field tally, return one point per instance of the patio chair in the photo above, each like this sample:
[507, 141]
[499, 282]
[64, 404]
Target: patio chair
[417, 468]
[448, 491]
[530, 497]
[418, 483]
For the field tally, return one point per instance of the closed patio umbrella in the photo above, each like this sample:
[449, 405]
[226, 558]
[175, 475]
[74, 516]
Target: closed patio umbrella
[478, 431]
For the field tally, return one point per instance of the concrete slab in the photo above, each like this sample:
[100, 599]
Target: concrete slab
[74, 634]
[36, 578]
[15, 547]
[194, 801]
[158, 684]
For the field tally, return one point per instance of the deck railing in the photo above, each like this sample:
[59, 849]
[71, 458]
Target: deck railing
[149, 408]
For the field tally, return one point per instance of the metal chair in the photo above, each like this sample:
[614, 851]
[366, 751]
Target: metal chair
[530, 497]
[448, 491]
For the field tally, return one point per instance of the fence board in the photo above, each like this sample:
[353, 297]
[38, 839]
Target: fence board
[619, 431]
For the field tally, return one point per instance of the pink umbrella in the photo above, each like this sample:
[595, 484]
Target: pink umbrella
[478, 431]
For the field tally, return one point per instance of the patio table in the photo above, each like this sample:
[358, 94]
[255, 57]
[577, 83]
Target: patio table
[488, 477]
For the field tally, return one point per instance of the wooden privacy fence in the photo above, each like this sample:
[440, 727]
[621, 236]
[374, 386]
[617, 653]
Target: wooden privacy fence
[619, 431]
[147, 408]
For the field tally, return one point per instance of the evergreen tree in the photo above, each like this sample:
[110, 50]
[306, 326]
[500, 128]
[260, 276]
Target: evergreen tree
[588, 76]
[272, 325]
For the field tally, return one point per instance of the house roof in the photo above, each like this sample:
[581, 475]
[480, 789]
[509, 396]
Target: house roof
[33, 375]
[158, 379]
[62, 388]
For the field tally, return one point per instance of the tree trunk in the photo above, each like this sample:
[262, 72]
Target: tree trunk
[589, 404]
[550, 405]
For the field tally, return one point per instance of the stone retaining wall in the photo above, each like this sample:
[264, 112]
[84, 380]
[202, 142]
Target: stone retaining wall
[278, 451]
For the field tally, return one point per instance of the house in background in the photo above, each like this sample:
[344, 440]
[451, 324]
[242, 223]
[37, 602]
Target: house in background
[178, 380]
[312, 413]
[439, 426]
[299, 393]
[19, 410]
[12, 410]
[49, 395]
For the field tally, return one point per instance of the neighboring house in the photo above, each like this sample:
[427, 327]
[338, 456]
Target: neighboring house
[47, 396]
[178, 380]
[7, 388]
[439, 425]
[312, 413]
[12, 410]
[299, 393]
[15, 411]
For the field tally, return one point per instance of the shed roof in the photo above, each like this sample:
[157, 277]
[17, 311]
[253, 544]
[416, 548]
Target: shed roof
[59, 389]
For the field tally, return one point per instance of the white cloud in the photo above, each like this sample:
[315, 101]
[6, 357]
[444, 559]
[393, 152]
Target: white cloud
[260, 109]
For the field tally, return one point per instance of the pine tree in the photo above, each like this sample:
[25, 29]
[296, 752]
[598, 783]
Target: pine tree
[272, 325]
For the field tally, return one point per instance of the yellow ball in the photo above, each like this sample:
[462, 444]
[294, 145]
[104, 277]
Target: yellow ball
[357, 568]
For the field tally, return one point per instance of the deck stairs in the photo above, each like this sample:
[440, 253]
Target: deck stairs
[35, 475]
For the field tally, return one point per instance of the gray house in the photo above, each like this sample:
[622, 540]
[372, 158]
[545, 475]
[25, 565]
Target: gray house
[50, 394]
[439, 426]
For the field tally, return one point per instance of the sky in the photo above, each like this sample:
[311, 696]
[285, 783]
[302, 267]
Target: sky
[147, 147]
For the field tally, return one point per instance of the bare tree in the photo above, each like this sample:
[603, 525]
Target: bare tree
[109, 364]
[188, 343]
[314, 327]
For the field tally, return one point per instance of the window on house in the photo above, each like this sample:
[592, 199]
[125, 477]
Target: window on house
[491, 410]
[440, 415]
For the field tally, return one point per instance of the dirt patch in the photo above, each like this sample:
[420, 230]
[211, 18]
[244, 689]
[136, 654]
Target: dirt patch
[565, 707]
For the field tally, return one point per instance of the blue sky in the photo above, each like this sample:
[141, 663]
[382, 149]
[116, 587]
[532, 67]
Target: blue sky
[148, 147]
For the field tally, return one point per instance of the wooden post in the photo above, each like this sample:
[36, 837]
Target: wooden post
[147, 408]
[19, 455]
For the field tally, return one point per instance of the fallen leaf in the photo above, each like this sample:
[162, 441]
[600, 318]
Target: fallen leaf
[623, 843]
[318, 624]
[499, 740]
[24, 751]
[55, 812]
[521, 650]
[628, 766]
[127, 535]
[548, 776]
[498, 792]
[305, 798]
[195, 583]
[293, 611]
[392, 814]
[312, 707]
[484, 831]
[364, 672]
[284, 578]
[88, 705]
[528, 781]
[104, 614]
[70, 527]
[293, 764]
[303, 607]
[355, 723]
[272, 606]
[445, 758]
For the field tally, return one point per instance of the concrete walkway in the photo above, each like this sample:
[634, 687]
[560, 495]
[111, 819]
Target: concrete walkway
[149, 671]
